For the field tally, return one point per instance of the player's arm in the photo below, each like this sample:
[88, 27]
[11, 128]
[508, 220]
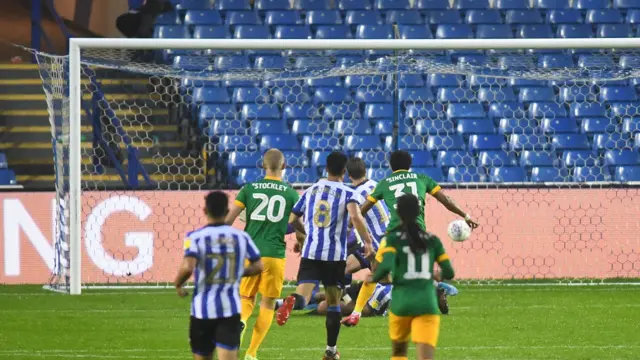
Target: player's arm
[361, 227]
[451, 205]
[255, 265]
[384, 268]
[236, 208]
[184, 273]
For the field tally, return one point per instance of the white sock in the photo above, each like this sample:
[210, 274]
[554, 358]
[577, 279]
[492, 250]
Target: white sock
[333, 349]
[356, 313]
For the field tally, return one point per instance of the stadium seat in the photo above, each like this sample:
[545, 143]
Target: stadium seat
[290, 32]
[226, 127]
[430, 5]
[573, 158]
[194, 5]
[457, 111]
[591, 173]
[580, 94]
[444, 80]
[496, 31]
[248, 175]
[564, 142]
[445, 142]
[454, 31]
[534, 31]
[507, 175]
[413, 95]
[291, 94]
[625, 109]
[421, 159]
[630, 125]
[259, 111]
[485, 16]
[444, 17]
[571, 31]
[536, 94]
[300, 111]
[548, 174]
[363, 81]
[171, 32]
[267, 5]
[243, 159]
[346, 5]
[383, 127]
[627, 173]
[613, 158]
[564, 16]
[378, 174]
[446, 159]
[295, 159]
[465, 174]
[508, 126]
[378, 111]
[323, 17]
[250, 95]
[202, 17]
[485, 142]
[348, 127]
[551, 4]
[603, 16]
[517, 82]
[283, 17]
[233, 62]
[633, 17]
[261, 127]
[496, 158]
[629, 61]
[297, 175]
[211, 32]
[363, 95]
[598, 125]
[626, 4]
[392, 4]
[333, 32]
[559, 126]
[237, 143]
[217, 112]
[636, 142]
[310, 127]
[414, 32]
[423, 111]
[530, 159]
[269, 62]
[349, 111]
[612, 141]
[331, 95]
[3, 161]
[226, 5]
[279, 141]
[251, 32]
[516, 62]
[591, 4]
[520, 142]
[408, 80]
[511, 4]
[406, 17]
[374, 32]
[434, 127]
[539, 110]
[432, 172]
[168, 18]
[311, 4]
[471, 4]
[362, 142]
[467, 127]
[529, 16]
[614, 31]
[190, 63]
[472, 59]
[617, 93]
[247, 17]
[506, 110]
[583, 110]
[555, 61]
[210, 95]
[456, 95]
[411, 142]
[362, 17]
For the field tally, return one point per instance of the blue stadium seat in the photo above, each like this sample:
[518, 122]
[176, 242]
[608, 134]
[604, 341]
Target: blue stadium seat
[465, 174]
[496, 158]
[280, 141]
[210, 95]
[456, 95]
[168, 18]
[364, 81]
[373, 159]
[362, 142]
[629, 61]
[348, 127]
[362, 17]
[413, 95]
[383, 127]
[530, 159]
[507, 175]
[496, 31]
[475, 126]
[626, 4]
[313, 62]
[248, 175]
[564, 16]
[539, 110]
[555, 61]
[300, 111]
[421, 159]
[226, 127]
[517, 82]
[374, 32]
[603, 16]
[485, 16]
[454, 31]
[430, 5]
[314, 83]
[3, 161]
[508, 126]
[572, 31]
[246, 17]
[617, 93]
[591, 4]
[559, 126]
[378, 174]
[573, 158]
[633, 17]
[591, 173]
[251, 32]
[406, 17]
[614, 31]
[548, 174]
[216, 112]
[331, 95]
[511, 4]
[471, 4]
[170, 32]
[613, 158]
[583, 110]
[283, 17]
[259, 111]
[516, 62]
[194, 5]
[430, 171]
[625, 109]
[310, 127]
[261, 127]
[269, 62]
[506, 110]
[227, 5]
[444, 80]
[444, 17]
[392, 4]
[341, 111]
[520, 142]
[202, 17]
[535, 31]
[333, 32]
[631, 125]
[346, 5]
[485, 142]
[226, 63]
[530, 16]
[267, 5]
[323, 17]
[243, 159]
[311, 4]
[446, 159]
[536, 94]
[434, 127]
[411, 142]
[289, 94]
[457, 111]
[627, 173]
[297, 175]
[363, 95]
[612, 141]
[598, 125]
[295, 159]
[189, 63]
[211, 32]
[551, 4]
[237, 143]
[410, 80]
[636, 142]
[472, 59]
[564, 142]
[289, 32]
[250, 95]
[378, 111]
[580, 94]
[445, 142]
[423, 111]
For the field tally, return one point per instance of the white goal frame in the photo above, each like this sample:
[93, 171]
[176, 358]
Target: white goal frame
[76, 45]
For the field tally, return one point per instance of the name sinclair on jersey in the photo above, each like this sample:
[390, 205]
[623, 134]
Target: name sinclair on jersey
[402, 176]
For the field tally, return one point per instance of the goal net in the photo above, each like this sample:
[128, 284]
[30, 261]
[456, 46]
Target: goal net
[541, 146]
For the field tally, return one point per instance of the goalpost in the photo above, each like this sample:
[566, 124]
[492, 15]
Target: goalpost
[530, 118]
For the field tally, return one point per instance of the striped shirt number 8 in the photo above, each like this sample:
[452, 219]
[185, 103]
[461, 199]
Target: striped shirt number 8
[270, 204]
[322, 214]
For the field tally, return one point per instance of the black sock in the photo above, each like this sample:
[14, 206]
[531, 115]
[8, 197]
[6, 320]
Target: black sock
[300, 302]
[333, 325]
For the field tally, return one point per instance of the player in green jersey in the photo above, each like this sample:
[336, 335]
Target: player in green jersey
[268, 203]
[401, 182]
[409, 255]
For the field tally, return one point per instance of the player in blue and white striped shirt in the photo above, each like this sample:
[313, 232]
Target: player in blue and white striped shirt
[327, 207]
[215, 254]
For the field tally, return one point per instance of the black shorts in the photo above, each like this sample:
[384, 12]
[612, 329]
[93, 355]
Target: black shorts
[329, 273]
[207, 334]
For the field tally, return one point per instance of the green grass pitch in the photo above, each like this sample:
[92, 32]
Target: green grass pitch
[487, 322]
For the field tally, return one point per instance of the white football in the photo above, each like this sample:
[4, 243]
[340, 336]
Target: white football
[459, 230]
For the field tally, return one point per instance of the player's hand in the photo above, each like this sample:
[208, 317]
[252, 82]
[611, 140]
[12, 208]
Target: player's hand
[182, 292]
[297, 248]
[368, 251]
[472, 223]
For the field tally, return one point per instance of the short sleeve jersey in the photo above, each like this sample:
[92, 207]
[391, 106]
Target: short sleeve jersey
[268, 203]
[399, 183]
[413, 290]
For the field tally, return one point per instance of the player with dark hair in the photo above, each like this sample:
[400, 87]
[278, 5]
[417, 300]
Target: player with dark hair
[327, 206]
[400, 182]
[216, 254]
[409, 255]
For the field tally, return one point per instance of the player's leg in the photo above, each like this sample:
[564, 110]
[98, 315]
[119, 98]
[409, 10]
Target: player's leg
[399, 332]
[332, 323]
[353, 265]
[308, 275]
[270, 288]
[227, 338]
[200, 338]
[425, 331]
[248, 289]
[366, 291]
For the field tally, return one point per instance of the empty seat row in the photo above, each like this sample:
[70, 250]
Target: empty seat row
[308, 142]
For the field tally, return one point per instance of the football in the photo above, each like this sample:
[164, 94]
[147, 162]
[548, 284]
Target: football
[459, 230]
